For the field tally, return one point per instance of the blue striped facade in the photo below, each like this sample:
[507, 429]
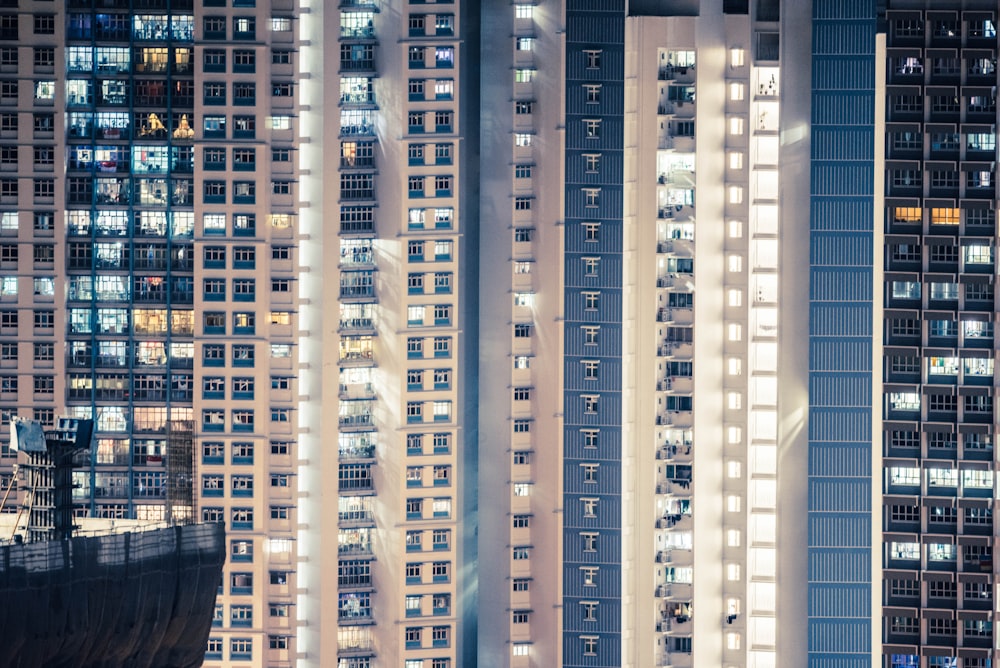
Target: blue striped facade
[593, 25]
[840, 334]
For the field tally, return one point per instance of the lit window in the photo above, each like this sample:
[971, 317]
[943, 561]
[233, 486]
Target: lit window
[736, 92]
[735, 126]
[736, 57]
[279, 122]
[736, 160]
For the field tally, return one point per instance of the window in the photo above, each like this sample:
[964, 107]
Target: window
[592, 93]
[523, 11]
[44, 189]
[444, 89]
[592, 128]
[589, 645]
[593, 58]
[45, 24]
[44, 319]
[444, 56]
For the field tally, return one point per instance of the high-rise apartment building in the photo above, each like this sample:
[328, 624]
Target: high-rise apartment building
[151, 268]
[937, 221]
[540, 333]
[661, 515]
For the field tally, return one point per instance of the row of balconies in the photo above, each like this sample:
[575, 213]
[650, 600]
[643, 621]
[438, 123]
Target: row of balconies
[905, 31]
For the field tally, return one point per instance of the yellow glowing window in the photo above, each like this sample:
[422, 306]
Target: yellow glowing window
[944, 216]
[907, 214]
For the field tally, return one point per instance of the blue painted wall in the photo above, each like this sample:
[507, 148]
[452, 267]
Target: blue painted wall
[840, 334]
[593, 25]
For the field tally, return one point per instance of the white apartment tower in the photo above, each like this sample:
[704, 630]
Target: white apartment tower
[644, 190]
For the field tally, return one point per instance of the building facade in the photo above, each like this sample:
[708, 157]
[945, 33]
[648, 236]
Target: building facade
[581, 303]
[936, 415]
[151, 273]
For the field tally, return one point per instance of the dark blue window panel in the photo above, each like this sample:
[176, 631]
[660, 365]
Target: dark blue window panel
[840, 213]
[830, 179]
[830, 566]
[842, 320]
[839, 460]
[847, 107]
[850, 143]
[839, 494]
[842, 600]
[840, 389]
[841, 37]
[843, 635]
[840, 424]
[830, 354]
[840, 529]
[841, 284]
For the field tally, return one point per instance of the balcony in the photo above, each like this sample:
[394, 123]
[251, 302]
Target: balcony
[356, 551]
[361, 517]
[356, 357]
[356, 421]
